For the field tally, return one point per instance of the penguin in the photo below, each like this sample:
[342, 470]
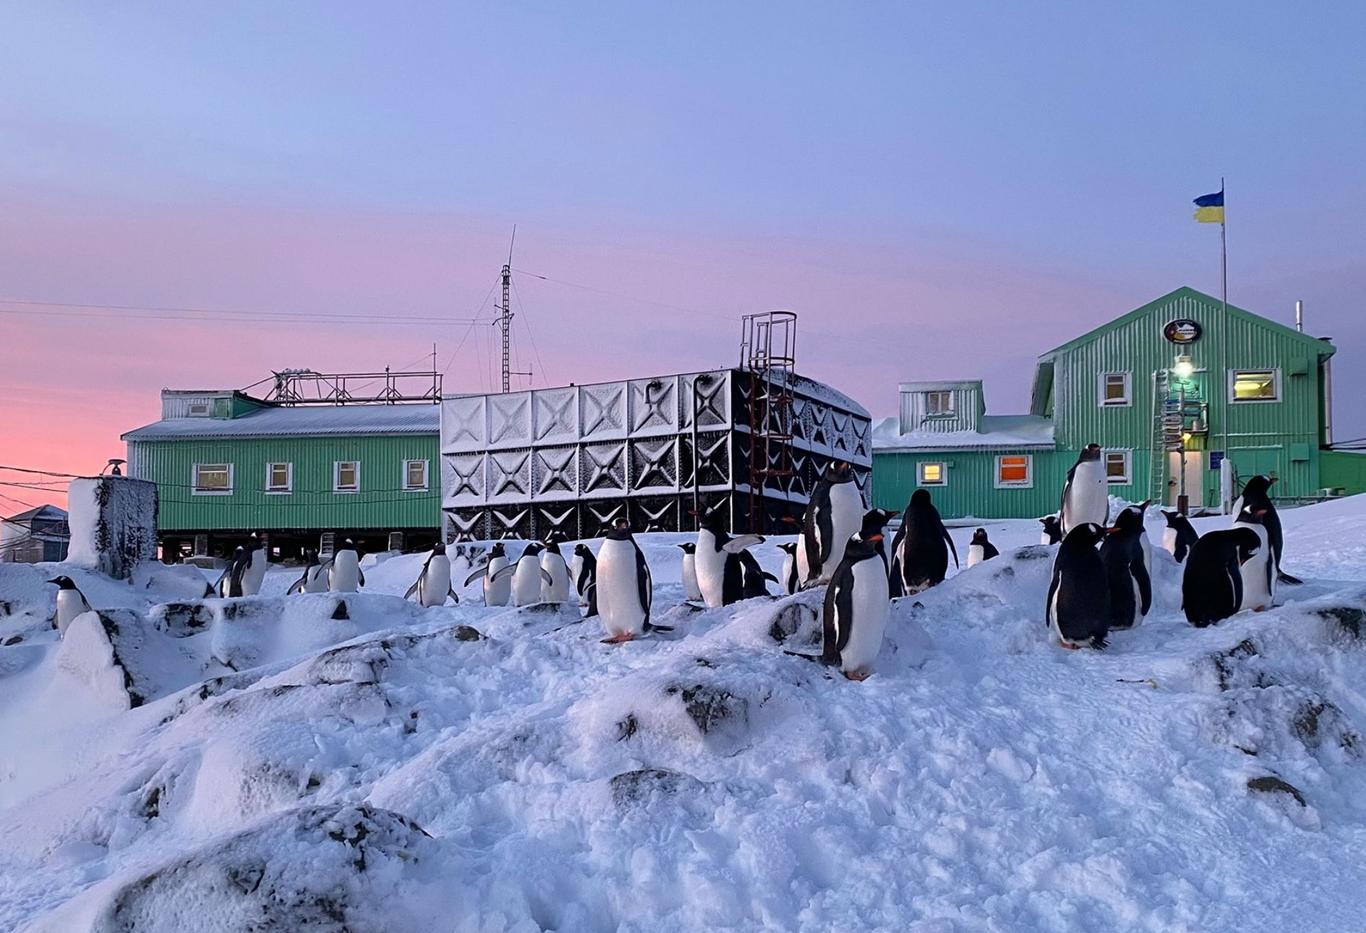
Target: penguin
[1135, 522]
[1179, 535]
[433, 584]
[791, 581]
[688, 577]
[1052, 531]
[1078, 607]
[254, 574]
[583, 572]
[858, 601]
[1085, 497]
[497, 584]
[726, 572]
[71, 602]
[624, 588]
[1257, 493]
[981, 549]
[528, 579]
[1258, 571]
[833, 515]
[343, 570]
[229, 585]
[1128, 569]
[1212, 583]
[313, 579]
[553, 563]
[920, 550]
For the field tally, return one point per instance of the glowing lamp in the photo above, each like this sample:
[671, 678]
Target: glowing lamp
[1184, 368]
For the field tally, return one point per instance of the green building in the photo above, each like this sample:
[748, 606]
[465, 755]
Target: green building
[227, 464]
[1168, 390]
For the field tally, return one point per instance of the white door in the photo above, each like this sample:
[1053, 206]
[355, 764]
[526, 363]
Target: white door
[1195, 477]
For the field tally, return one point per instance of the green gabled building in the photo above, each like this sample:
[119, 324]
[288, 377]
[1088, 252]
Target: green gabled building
[1168, 390]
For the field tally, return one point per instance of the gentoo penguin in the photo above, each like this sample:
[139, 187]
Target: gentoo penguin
[1135, 523]
[433, 584]
[833, 515]
[553, 563]
[726, 572]
[1078, 608]
[1179, 535]
[1085, 497]
[343, 570]
[497, 585]
[230, 584]
[1257, 493]
[254, 574]
[688, 576]
[920, 550]
[313, 579]
[981, 549]
[858, 601]
[1052, 531]
[1212, 584]
[790, 580]
[624, 588]
[1128, 570]
[70, 602]
[529, 580]
[583, 571]
[1258, 571]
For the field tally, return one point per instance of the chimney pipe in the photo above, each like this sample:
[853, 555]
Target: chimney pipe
[1299, 316]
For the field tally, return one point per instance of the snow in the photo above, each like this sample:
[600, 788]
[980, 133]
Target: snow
[288, 765]
[113, 524]
[996, 431]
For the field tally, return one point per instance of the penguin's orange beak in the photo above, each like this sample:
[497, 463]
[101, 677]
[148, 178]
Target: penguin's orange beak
[1110, 531]
[876, 537]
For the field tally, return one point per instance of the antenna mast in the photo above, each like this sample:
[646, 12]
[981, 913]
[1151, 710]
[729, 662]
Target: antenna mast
[505, 319]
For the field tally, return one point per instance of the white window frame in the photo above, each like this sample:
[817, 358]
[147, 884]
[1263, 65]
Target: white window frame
[943, 413]
[426, 473]
[195, 489]
[943, 472]
[1026, 483]
[1124, 402]
[1275, 383]
[336, 478]
[1128, 458]
[288, 487]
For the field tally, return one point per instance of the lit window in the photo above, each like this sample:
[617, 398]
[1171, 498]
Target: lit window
[414, 474]
[938, 403]
[279, 477]
[1114, 389]
[1255, 385]
[346, 476]
[212, 479]
[1015, 470]
[932, 473]
[1117, 467]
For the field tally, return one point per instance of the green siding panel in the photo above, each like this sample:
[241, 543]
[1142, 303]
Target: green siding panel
[1344, 469]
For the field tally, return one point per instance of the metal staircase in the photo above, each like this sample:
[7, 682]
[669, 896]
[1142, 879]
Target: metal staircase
[768, 347]
[1178, 408]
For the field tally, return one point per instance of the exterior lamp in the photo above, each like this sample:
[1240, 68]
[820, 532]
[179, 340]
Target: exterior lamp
[1184, 368]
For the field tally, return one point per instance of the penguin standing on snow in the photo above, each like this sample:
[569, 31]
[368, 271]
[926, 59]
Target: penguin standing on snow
[1085, 496]
[71, 602]
[1258, 571]
[1179, 535]
[527, 576]
[433, 584]
[1052, 531]
[343, 570]
[1127, 570]
[833, 515]
[981, 549]
[497, 584]
[229, 585]
[313, 579]
[1212, 584]
[553, 563]
[790, 580]
[726, 572]
[688, 576]
[858, 601]
[584, 572]
[1257, 493]
[1078, 608]
[254, 574]
[624, 588]
[920, 551]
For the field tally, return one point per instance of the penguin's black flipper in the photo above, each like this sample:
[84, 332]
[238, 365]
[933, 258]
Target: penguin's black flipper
[218, 584]
[738, 544]
[651, 627]
[412, 589]
[806, 657]
[1287, 579]
[453, 595]
[475, 576]
[1145, 584]
[546, 578]
[507, 571]
[1236, 575]
[768, 576]
[296, 587]
[360, 575]
[209, 591]
[943, 529]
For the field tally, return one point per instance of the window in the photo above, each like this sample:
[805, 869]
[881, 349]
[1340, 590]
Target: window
[938, 404]
[1255, 385]
[212, 479]
[1117, 467]
[1015, 470]
[346, 476]
[199, 409]
[415, 474]
[279, 477]
[932, 473]
[1114, 389]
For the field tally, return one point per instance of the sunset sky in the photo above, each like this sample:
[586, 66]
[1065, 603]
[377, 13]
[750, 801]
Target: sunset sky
[939, 191]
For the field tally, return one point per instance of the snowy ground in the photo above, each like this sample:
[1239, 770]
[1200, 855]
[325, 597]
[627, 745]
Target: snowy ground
[492, 769]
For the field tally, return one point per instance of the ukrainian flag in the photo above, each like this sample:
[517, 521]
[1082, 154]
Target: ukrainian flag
[1209, 208]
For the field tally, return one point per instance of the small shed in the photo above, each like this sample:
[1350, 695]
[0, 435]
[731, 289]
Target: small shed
[40, 534]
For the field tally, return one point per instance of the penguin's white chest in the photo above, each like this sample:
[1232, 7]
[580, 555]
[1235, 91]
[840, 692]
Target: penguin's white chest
[436, 582]
[315, 580]
[1259, 582]
[870, 607]
[255, 574]
[1088, 498]
[1169, 540]
[526, 582]
[70, 604]
[689, 578]
[557, 590]
[789, 563]
[710, 565]
[846, 517]
[345, 573]
[976, 554]
[619, 602]
[576, 573]
[496, 592]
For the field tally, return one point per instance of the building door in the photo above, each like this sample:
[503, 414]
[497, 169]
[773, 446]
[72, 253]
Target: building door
[1195, 477]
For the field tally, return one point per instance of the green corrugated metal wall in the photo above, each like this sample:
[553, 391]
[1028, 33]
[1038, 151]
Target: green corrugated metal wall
[1344, 469]
[380, 504]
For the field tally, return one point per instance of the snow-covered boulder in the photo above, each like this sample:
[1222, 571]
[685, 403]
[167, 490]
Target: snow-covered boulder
[113, 522]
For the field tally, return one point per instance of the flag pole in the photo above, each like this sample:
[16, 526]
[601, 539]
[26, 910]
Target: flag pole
[1226, 465]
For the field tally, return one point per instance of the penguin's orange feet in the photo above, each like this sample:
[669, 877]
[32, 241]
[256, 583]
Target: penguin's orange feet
[618, 639]
[856, 675]
[1070, 647]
